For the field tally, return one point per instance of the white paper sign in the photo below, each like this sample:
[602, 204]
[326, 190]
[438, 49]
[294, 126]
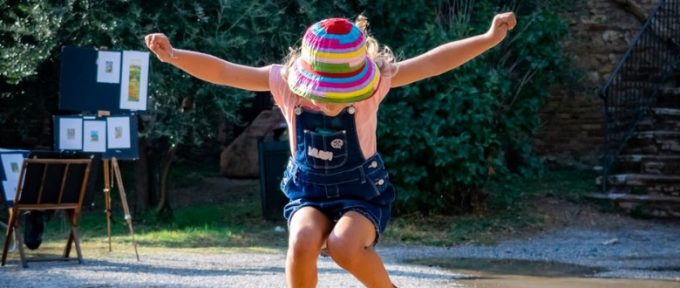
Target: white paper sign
[94, 136]
[118, 130]
[70, 134]
[108, 67]
[11, 163]
[134, 80]
[10, 188]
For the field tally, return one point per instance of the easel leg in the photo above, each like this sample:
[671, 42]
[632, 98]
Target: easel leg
[70, 214]
[20, 240]
[123, 200]
[8, 235]
[73, 236]
[67, 248]
[12, 229]
[107, 200]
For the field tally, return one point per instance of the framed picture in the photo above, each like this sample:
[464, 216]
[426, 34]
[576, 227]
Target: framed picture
[134, 80]
[118, 129]
[70, 133]
[108, 67]
[94, 136]
[11, 165]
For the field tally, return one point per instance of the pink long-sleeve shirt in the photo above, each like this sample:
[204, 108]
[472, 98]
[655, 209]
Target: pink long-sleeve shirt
[366, 116]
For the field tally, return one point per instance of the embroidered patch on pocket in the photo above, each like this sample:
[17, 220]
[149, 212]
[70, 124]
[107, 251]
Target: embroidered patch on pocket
[337, 143]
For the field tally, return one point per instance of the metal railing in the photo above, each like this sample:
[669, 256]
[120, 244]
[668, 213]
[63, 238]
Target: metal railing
[631, 90]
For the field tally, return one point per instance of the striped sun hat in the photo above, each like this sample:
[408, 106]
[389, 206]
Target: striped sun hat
[333, 66]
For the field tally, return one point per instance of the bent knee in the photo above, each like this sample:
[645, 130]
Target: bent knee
[305, 241]
[345, 250]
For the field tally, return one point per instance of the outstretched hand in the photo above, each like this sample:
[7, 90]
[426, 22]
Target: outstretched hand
[159, 44]
[501, 24]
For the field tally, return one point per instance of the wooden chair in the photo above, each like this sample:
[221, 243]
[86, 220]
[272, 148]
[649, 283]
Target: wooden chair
[49, 185]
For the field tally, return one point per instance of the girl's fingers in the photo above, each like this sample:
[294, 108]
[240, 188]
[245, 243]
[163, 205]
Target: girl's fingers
[159, 45]
[507, 19]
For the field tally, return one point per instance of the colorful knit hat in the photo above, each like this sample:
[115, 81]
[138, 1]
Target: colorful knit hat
[333, 66]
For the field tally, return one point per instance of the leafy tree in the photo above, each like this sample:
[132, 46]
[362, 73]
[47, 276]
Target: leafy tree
[456, 131]
[442, 138]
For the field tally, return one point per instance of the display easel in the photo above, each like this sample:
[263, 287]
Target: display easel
[108, 166]
[113, 164]
[107, 74]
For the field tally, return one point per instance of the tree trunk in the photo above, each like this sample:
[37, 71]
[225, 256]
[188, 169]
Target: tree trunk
[163, 209]
[142, 174]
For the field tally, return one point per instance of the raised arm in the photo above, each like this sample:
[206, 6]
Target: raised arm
[453, 54]
[209, 68]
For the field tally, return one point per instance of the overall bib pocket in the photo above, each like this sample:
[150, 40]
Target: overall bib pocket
[325, 150]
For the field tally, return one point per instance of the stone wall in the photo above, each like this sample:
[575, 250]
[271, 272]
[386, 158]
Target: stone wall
[600, 32]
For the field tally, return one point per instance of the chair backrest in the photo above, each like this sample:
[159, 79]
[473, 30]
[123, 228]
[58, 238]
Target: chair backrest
[52, 183]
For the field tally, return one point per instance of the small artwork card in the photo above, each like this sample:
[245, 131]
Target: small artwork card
[70, 133]
[11, 163]
[134, 80]
[118, 129]
[94, 132]
[108, 67]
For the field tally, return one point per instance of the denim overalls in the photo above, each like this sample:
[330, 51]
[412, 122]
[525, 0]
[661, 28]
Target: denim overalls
[329, 171]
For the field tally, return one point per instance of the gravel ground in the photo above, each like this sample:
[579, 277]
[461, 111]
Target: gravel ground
[649, 251]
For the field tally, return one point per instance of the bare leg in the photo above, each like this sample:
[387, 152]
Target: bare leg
[351, 246]
[309, 229]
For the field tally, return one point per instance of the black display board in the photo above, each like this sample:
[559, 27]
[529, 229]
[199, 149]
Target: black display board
[110, 80]
[78, 86]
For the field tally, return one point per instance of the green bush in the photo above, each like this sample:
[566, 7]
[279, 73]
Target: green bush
[443, 138]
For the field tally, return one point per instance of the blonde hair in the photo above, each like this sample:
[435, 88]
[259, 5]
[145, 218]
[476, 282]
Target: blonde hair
[382, 56]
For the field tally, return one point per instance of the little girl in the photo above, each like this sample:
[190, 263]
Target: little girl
[329, 92]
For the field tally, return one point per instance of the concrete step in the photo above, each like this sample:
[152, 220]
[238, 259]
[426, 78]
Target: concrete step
[664, 142]
[618, 196]
[653, 147]
[658, 135]
[644, 184]
[656, 123]
[666, 112]
[668, 101]
[669, 96]
[673, 91]
[648, 205]
[634, 179]
[649, 164]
